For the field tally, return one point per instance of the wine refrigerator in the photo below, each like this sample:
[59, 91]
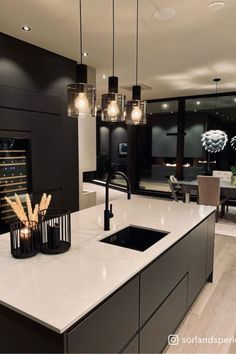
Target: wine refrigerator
[14, 175]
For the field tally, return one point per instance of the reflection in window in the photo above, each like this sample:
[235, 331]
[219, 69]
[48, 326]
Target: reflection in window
[157, 144]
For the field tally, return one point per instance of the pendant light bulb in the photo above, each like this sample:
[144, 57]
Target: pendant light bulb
[113, 103]
[136, 108]
[82, 103]
[81, 95]
[136, 115]
[113, 109]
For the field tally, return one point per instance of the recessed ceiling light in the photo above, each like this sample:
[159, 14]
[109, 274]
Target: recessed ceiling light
[164, 14]
[104, 76]
[26, 28]
[198, 103]
[234, 99]
[195, 110]
[217, 5]
[85, 54]
[165, 105]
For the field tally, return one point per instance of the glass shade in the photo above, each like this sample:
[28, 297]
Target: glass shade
[113, 107]
[136, 112]
[81, 100]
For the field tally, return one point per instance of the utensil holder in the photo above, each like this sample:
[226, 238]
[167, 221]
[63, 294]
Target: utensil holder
[55, 230]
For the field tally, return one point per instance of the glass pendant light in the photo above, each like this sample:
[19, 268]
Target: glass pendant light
[136, 109]
[113, 103]
[81, 95]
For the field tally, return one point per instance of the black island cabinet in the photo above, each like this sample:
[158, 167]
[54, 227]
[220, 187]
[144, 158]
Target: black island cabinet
[138, 317]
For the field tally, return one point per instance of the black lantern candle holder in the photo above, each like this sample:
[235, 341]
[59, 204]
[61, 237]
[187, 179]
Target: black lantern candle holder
[55, 231]
[24, 239]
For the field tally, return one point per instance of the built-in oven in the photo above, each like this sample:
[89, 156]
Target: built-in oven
[15, 173]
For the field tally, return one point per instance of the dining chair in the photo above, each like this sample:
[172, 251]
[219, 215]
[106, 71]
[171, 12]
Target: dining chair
[225, 176]
[209, 193]
[176, 190]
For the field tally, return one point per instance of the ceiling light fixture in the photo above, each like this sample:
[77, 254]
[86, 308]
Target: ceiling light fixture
[81, 95]
[113, 103]
[198, 103]
[165, 105]
[136, 109]
[217, 5]
[214, 140]
[164, 14]
[26, 28]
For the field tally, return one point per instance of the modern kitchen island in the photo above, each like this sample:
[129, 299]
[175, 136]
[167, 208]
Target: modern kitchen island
[103, 298]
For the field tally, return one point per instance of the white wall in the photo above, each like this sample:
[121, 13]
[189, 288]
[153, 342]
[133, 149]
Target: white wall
[87, 149]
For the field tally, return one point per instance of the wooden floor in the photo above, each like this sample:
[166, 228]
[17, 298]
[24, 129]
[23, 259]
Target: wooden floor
[214, 312]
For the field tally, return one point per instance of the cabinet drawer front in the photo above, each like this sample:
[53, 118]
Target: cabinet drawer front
[110, 327]
[154, 335]
[132, 347]
[160, 278]
[197, 260]
[210, 245]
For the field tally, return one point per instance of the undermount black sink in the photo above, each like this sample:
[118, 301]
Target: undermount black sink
[136, 238]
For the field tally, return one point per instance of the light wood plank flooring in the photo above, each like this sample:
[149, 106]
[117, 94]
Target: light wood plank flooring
[214, 312]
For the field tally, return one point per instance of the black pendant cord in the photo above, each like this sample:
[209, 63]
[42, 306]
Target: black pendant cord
[216, 97]
[81, 32]
[137, 31]
[113, 37]
[217, 80]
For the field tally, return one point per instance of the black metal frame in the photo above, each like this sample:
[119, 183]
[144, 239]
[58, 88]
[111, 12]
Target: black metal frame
[55, 230]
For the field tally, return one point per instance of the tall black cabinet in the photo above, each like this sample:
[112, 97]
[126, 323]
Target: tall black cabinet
[33, 103]
[53, 140]
[46, 145]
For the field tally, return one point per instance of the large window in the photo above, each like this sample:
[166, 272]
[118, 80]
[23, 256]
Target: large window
[157, 146]
[172, 125]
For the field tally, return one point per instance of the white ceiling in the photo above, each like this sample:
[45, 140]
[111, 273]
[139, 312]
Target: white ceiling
[178, 57]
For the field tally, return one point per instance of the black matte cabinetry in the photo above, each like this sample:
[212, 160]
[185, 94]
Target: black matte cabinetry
[46, 152]
[197, 260]
[133, 346]
[109, 328]
[70, 163]
[210, 247]
[53, 143]
[13, 120]
[154, 335]
[160, 278]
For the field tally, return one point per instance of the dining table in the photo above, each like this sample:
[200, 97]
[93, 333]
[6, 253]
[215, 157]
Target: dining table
[226, 189]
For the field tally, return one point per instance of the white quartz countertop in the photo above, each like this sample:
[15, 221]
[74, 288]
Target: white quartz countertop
[58, 290]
